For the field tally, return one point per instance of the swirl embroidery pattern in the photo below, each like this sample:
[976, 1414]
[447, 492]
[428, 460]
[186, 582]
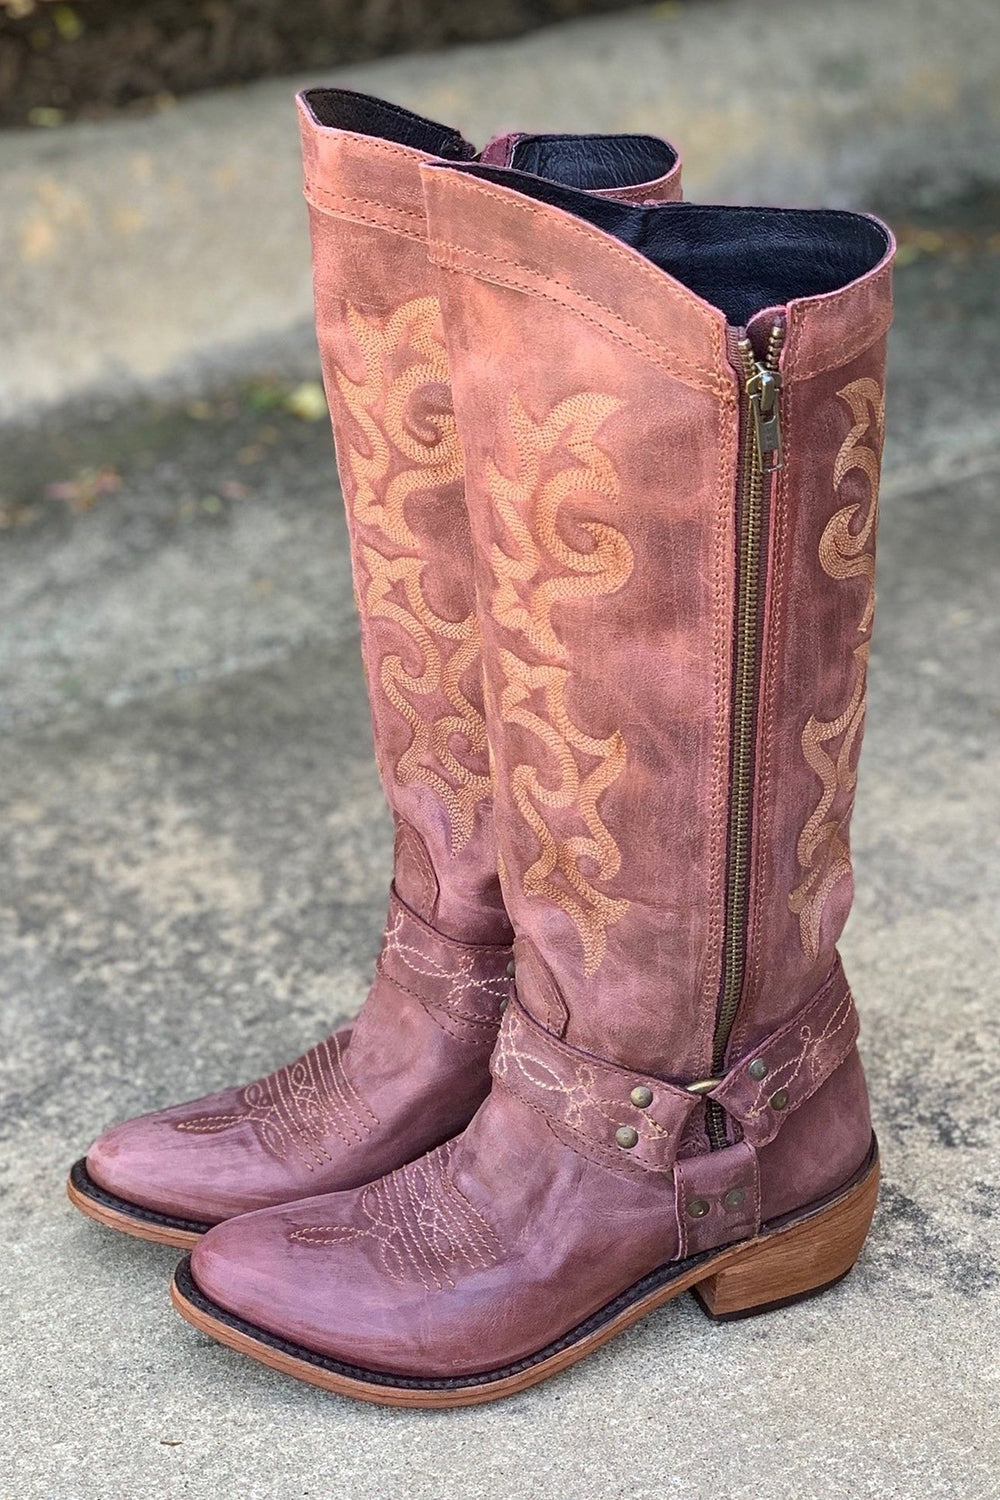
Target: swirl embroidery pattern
[388, 461]
[845, 551]
[534, 569]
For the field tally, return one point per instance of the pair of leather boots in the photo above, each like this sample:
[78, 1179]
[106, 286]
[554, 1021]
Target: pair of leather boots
[611, 468]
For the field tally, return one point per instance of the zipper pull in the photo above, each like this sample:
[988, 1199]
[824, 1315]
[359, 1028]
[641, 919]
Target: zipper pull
[763, 388]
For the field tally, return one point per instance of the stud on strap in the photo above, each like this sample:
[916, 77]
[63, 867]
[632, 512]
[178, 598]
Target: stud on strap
[786, 1069]
[619, 1118]
[718, 1198]
[624, 1119]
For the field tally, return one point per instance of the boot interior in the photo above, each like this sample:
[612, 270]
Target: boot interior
[592, 162]
[588, 162]
[362, 114]
[739, 259]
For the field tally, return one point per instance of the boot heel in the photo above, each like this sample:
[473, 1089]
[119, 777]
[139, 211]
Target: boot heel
[796, 1262]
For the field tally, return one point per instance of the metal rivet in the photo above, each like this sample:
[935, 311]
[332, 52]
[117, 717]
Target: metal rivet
[758, 1069]
[698, 1208]
[503, 1005]
[626, 1137]
[734, 1197]
[779, 1100]
[510, 969]
[641, 1096]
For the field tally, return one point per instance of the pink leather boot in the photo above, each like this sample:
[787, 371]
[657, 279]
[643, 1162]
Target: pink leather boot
[672, 458]
[414, 1066]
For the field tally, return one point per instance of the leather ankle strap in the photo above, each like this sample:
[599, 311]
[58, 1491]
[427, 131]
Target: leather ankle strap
[462, 986]
[627, 1120]
[769, 1083]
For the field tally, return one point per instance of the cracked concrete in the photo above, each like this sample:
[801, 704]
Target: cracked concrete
[191, 885]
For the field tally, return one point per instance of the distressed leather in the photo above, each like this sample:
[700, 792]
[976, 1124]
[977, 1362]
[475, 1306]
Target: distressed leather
[599, 411]
[414, 1066]
[406, 1075]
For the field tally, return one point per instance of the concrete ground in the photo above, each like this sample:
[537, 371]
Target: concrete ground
[191, 884]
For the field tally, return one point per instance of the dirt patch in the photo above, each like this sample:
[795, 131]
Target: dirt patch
[89, 59]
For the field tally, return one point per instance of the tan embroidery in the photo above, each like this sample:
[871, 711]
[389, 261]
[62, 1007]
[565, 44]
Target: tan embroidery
[422, 1226]
[814, 1058]
[576, 1100]
[392, 464]
[844, 552]
[536, 568]
[463, 987]
[294, 1110]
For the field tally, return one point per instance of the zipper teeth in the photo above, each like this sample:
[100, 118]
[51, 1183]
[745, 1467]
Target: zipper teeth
[748, 585]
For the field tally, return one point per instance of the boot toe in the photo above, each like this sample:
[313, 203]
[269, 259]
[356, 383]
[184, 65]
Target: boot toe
[151, 1162]
[332, 1298]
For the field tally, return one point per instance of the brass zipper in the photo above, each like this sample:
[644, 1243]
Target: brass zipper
[761, 457]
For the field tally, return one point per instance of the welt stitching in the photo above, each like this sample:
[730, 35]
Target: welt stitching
[649, 350]
[608, 246]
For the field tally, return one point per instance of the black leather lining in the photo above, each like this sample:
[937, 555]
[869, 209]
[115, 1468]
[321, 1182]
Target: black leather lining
[343, 109]
[579, 161]
[594, 161]
[88, 1188]
[739, 259]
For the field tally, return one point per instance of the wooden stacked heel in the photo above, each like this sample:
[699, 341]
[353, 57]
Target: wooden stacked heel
[796, 1262]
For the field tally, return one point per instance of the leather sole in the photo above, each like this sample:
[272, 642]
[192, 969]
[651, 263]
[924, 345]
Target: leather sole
[788, 1261]
[129, 1218]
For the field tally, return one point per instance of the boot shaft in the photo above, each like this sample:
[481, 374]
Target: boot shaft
[386, 376]
[675, 642]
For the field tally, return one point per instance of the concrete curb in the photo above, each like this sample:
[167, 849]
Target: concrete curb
[142, 251]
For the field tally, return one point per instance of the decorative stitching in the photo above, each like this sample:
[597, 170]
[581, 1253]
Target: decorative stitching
[586, 1100]
[448, 651]
[421, 1224]
[294, 1110]
[393, 221]
[813, 1054]
[472, 996]
[647, 349]
[665, 286]
[535, 569]
[823, 851]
